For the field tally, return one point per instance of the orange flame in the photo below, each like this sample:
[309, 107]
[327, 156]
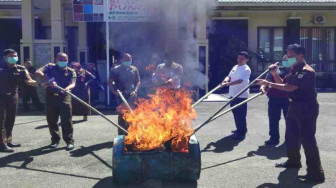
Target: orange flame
[166, 116]
[150, 68]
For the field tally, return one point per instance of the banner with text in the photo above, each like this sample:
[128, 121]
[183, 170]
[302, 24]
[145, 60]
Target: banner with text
[132, 11]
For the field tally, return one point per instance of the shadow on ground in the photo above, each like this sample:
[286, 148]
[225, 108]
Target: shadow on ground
[108, 183]
[223, 145]
[28, 157]
[271, 152]
[288, 178]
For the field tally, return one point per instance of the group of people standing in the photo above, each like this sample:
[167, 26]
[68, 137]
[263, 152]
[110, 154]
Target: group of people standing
[124, 80]
[58, 104]
[290, 87]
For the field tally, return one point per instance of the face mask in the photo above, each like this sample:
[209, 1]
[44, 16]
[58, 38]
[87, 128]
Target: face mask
[62, 64]
[127, 63]
[290, 62]
[12, 60]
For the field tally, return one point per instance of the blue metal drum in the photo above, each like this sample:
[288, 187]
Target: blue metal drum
[162, 165]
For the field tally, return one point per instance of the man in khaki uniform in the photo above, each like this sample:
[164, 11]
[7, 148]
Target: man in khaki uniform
[10, 76]
[58, 104]
[301, 117]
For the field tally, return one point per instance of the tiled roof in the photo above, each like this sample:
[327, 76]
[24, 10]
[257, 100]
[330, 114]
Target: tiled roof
[277, 1]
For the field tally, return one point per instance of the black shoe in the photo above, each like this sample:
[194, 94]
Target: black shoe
[6, 149]
[288, 165]
[70, 147]
[12, 145]
[313, 178]
[239, 137]
[271, 142]
[53, 145]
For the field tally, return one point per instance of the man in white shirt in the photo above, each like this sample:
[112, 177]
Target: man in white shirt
[237, 80]
[168, 74]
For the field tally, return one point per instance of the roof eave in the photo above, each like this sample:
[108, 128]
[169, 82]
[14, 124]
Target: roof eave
[10, 3]
[231, 4]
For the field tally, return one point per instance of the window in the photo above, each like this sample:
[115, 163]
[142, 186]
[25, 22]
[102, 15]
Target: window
[270, 45]
[320, 43]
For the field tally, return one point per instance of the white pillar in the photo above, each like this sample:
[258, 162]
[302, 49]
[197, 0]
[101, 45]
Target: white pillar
[58, 43]
[202, 18]
[28, 30]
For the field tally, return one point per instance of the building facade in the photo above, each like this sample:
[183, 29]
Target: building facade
[210, 33]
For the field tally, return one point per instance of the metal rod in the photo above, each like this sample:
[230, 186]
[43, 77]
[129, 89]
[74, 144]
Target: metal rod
[232, 99]
[89, 106]
[205, 96]
[229, 110]
[124, 100]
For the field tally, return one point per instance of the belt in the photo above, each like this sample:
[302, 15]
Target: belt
[8, 94]
[302, 101]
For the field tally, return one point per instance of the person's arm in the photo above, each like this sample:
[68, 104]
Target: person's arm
[177, 77]
[111, 84]
[91, 78]
[274, 71]
[156, 77]
[41, 72]
[242, 76]
[284, 87]
[227, 79]
[73, 82]
[138, 82]
[28, 79]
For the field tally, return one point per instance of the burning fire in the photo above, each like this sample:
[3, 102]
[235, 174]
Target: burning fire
[150, 68]
[166, 116]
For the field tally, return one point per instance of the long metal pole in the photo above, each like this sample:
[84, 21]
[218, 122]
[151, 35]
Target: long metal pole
[232, 99]
[205, 96]
[89, 106]
[229, 110]
[107, 49]
[124, 100]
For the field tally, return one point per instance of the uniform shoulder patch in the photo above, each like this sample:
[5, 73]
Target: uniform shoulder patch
[308, 68]
[21, 66]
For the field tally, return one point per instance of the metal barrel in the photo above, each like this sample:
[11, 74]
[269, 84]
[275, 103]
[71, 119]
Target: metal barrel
[136, 167]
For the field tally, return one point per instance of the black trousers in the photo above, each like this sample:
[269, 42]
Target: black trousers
[301, 121]
[275, 106]
[59, 106]
[239, 115]
[121, 121]
[30, 93]
[8, 109]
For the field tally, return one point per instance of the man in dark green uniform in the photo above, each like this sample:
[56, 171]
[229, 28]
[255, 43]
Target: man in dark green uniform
[10, 76]
[126, 79]
[301, 117]
[57, 102]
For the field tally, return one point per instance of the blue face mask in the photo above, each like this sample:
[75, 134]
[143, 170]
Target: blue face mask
[127, 63]
[290, 62]
[12, 60]
[62, 64]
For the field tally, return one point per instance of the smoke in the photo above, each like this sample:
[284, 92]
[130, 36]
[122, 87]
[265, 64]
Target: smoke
[174, 29]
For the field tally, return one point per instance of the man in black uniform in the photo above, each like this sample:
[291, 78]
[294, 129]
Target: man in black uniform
[57, 102]
[126, 79]
[301, 117]
[10, 76]
[28, 92]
